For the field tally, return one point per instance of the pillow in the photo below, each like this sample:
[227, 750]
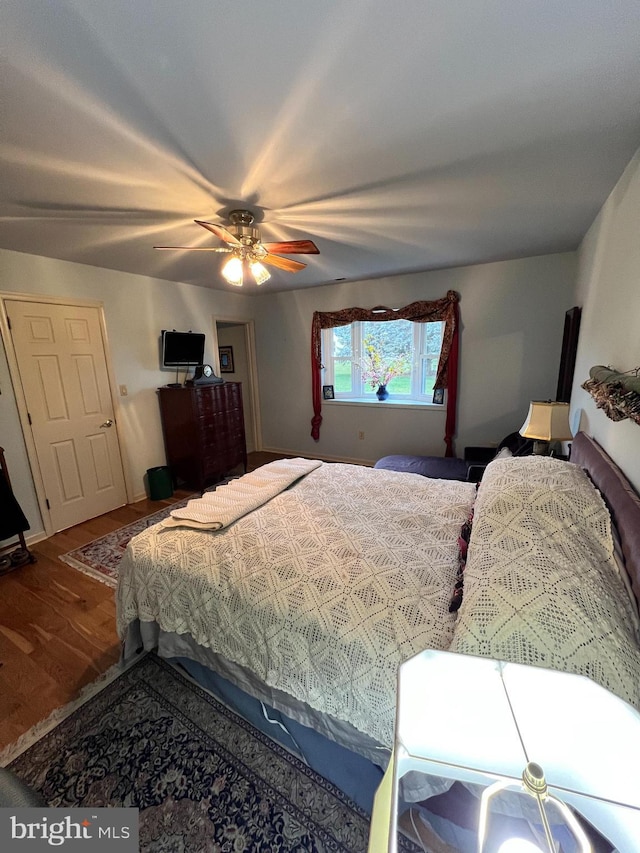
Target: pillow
[463, 545]
[517, 444]
[503, 453]
[540, 582]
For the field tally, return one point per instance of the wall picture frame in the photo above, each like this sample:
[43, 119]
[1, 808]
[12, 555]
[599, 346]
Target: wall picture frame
[327, 392]
[226, 359]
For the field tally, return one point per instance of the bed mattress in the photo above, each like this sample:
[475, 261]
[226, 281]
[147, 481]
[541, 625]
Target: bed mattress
[321, 593]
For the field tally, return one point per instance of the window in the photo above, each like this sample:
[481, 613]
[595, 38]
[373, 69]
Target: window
[444, 309]
[344, 354]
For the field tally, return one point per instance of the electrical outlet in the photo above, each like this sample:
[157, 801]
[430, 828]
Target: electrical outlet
[361, 435]
[123, 391]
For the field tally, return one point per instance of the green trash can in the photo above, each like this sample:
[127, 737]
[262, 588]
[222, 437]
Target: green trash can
[160, 485]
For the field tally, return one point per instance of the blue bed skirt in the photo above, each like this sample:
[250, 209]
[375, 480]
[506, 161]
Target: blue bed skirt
[354, 775]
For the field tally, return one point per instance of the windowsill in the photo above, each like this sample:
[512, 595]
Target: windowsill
[389, 402]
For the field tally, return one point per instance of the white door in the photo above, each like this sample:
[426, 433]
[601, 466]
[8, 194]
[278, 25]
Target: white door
[63, 371]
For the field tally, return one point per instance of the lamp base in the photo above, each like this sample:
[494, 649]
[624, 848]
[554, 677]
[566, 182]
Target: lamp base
[540, 447]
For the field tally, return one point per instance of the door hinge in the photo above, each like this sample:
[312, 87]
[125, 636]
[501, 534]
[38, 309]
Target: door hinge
[46, 500]
[30, 421]
[9, 322]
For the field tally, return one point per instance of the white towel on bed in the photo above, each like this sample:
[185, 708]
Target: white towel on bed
[228, 503]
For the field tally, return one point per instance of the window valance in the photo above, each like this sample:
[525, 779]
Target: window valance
[445, 309]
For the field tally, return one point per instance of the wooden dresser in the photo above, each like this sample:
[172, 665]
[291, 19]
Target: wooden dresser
[203, 429]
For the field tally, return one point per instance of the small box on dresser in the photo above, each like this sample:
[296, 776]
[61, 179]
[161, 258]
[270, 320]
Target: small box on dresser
[204, 433]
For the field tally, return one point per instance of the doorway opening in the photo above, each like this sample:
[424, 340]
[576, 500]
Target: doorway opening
[236, 337]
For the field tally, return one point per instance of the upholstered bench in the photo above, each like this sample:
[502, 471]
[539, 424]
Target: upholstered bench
[470, 467]
[428, 466]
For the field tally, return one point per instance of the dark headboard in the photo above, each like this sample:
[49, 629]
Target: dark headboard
[620, 497]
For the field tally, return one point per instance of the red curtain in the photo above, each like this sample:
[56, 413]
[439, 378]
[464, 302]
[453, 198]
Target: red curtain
[418, 312]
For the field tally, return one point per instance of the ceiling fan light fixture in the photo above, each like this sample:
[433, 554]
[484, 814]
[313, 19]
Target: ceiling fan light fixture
[232, 271]
[260, 272]
[244, 246]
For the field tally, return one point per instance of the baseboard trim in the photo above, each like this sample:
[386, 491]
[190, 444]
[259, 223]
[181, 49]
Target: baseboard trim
[34, 538]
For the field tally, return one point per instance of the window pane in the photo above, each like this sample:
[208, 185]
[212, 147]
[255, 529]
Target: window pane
[392, 338]
[342, 342]
[342, 375]
[400, 384]
[389, 341]
[428, 376]
[431, 356]
[433, 338]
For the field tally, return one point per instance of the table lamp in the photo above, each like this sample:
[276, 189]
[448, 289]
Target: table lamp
[498, 728]
[546, 421]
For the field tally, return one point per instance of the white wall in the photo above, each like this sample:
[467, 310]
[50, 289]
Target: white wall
[136, 309]
[608, 287]
[512, 324]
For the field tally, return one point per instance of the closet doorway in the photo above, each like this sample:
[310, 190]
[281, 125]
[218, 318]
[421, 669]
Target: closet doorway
[240, 336]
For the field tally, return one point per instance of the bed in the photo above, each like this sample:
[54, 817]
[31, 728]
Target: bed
[300, 610]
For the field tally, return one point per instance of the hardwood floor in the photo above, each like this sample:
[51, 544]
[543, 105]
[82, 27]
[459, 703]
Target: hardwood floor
[57, 625]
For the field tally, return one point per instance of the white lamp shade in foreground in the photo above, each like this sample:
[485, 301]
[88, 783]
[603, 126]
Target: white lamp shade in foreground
[476, 720]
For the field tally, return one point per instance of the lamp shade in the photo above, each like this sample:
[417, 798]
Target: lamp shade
[547, 421]
[232, 271]
[479, 720]
[260, 272]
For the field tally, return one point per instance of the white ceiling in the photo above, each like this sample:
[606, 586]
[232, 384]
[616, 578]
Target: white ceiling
[402, 136]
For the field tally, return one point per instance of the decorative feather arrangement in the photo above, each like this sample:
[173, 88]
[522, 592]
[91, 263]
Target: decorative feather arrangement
[617, 394]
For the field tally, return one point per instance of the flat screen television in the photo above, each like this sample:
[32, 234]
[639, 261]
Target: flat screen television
[181, 348]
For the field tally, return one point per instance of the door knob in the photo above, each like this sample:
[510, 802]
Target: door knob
[107, 423]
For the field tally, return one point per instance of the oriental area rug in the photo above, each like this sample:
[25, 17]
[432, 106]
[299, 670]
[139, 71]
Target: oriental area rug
[101, 557]
[203, 778]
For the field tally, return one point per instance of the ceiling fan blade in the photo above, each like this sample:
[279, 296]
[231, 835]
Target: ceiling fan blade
[293, 247]
[283, 263]
[193, 248]
[220, 231]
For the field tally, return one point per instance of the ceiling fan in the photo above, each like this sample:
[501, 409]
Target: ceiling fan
[246, 248]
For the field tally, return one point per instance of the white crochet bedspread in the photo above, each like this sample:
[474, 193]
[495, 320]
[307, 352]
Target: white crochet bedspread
[322, 592]
[541, 586]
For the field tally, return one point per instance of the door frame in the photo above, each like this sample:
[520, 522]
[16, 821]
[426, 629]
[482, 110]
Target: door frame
[252, 364]
[21, 403]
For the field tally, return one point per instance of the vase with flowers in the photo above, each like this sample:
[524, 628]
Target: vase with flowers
[378, 371]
